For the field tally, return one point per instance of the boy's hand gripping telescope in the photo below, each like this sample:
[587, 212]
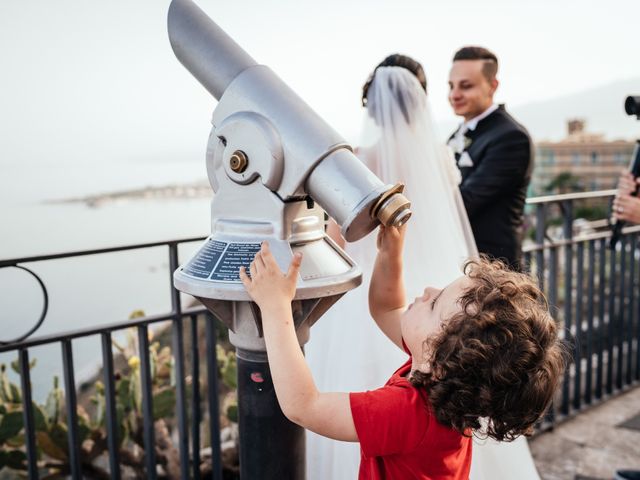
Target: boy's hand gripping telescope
[275, 167]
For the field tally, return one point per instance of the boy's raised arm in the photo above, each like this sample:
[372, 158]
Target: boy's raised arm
[386, 292]
[328, 414]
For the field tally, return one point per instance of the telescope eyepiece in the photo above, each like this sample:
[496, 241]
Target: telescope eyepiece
[632, 105]
[393, 208]
[402, 217]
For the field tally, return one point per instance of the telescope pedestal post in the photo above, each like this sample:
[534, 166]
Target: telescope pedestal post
[271, 447]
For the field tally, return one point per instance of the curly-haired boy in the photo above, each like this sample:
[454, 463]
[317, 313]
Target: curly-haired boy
[484, 356]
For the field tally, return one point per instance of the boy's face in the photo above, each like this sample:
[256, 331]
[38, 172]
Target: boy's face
[424, 317]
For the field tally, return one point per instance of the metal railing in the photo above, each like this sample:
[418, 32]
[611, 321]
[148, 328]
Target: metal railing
[189, 441]
[593, 291]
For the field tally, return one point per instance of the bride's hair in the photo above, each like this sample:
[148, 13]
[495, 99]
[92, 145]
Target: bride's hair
[499, 358]
[396, 60]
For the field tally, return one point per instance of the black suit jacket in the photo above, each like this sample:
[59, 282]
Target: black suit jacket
[495, 187]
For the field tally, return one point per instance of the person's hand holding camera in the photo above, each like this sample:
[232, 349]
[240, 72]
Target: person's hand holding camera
[626, 207]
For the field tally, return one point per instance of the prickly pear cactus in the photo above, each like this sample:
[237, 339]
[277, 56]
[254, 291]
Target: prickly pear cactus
[51, 427]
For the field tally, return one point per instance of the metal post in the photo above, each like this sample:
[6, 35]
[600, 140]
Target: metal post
[637, 332]
[577, 348]
[212, 392]
[588, 390]
[111, 416]
[271, 447]
[181, 398]
[567, 228]
[71, 407]
[540, 231]
[195, 398]
[147, 403]
[620, 321]
[612, 320]
[602, 254]
[631, 307]
[27, 415]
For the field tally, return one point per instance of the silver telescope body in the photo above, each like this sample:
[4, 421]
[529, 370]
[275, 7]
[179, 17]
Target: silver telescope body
[319, 163]
[275, 167]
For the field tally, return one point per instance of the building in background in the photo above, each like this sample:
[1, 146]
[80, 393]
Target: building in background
[581, 162]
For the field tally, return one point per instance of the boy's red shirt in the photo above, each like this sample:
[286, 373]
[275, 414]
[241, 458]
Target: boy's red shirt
[400, 437]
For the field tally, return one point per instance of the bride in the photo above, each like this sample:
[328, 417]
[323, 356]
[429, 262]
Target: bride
[347, 351]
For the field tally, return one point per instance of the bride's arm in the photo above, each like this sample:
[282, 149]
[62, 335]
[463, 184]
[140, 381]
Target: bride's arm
[386, 292]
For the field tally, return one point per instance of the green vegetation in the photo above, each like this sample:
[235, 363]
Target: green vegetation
[564, 182]
[51, 426]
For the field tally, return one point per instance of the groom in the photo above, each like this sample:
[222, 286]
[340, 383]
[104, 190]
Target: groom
[494, 154]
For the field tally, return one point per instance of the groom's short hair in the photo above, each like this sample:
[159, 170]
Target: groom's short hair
[490, 61]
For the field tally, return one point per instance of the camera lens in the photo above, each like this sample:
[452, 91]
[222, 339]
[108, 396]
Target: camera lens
[632, 105]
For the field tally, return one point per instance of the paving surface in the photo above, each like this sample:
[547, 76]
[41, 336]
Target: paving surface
[592, 445]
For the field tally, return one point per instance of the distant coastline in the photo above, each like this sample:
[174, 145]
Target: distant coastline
[199, 189]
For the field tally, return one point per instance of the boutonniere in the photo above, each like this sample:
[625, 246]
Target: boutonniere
[467, 142]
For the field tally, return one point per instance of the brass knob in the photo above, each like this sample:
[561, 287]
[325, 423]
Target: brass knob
[239, 161]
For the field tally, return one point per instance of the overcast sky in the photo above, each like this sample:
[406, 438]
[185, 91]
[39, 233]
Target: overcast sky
[546, 48]
[100, 76]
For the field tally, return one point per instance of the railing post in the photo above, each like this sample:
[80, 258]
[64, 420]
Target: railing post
[147, 402]
[195, 397]
[111, 416]
[541, 220]
[637, 332]
[591, 273]
[631, 306]
[214, 407]
[72, 414]
[178, 355]
[577, 347]
[602, 280]
[567, 230]
[526, 258]
[27, 414]
[620, 321]
[612, 319]
[181, 396]
[176, 306]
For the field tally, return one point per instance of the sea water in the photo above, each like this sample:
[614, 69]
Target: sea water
[88, 291]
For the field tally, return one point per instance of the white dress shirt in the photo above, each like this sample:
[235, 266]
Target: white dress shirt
[457, 142]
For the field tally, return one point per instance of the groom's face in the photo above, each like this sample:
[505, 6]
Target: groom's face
[470, 91]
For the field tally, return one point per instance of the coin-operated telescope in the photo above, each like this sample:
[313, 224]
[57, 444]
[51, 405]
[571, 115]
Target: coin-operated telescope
[275, 167]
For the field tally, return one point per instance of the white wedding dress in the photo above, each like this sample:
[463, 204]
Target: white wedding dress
[347, 352]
